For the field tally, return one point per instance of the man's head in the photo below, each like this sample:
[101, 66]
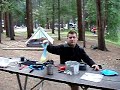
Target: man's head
[72, 38]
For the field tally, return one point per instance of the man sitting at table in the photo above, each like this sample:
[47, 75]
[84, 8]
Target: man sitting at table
[71, 51]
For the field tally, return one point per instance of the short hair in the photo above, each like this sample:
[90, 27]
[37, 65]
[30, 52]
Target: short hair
[72, 32]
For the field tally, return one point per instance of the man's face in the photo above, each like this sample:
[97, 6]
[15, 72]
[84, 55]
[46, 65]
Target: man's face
[72, 39]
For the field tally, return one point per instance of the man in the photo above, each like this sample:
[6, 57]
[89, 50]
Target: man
[71, 51]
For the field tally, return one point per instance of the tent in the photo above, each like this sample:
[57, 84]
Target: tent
[34, 40]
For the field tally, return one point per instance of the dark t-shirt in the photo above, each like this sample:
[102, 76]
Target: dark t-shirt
[68, 53]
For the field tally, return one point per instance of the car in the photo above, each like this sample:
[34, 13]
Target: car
[72, 25]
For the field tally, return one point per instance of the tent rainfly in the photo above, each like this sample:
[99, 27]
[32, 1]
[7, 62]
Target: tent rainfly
[34, 40]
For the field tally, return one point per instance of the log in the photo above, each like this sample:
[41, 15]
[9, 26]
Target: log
[28, 48]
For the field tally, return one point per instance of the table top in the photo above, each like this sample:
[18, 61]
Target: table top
[107, 82]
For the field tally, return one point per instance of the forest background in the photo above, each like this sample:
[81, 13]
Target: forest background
[54, 16]
[82, 14]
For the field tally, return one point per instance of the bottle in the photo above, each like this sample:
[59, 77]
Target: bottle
[49, 69]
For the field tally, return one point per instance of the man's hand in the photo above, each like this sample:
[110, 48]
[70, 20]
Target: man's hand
[45, 41]
[96, 67]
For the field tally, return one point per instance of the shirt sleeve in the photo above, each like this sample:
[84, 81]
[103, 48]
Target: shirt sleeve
[86, 58]
[54, 49]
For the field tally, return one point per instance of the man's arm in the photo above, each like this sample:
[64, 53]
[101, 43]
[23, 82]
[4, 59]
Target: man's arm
[89, 61]
[51, 48]
[54, 49]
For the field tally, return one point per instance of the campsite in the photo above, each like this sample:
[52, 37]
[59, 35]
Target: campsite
[88, 57]
[108, 59]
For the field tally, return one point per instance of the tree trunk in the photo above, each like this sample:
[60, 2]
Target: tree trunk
[101, 39]
[62, 23]
[58, 19]
[83, 22]
[6, 24]
[29, 20]
[79, 13]
[11, 27]
[105, 16]
[47, 20]
[0, 23]
[53, 18]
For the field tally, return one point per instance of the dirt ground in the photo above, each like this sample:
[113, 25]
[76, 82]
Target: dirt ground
[108, 59]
